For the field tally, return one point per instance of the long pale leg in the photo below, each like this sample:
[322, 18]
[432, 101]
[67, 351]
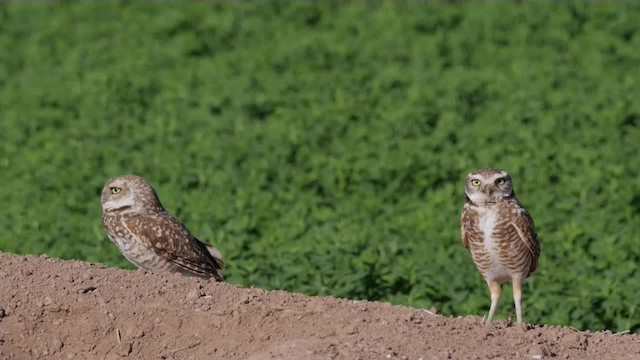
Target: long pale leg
[517, 297]
[494, 288]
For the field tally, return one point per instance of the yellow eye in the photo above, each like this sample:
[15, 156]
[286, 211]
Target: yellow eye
[500, 181]
[115, 190]
[475, 182]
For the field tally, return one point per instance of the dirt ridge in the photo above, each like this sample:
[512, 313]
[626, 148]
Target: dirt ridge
[67, 309]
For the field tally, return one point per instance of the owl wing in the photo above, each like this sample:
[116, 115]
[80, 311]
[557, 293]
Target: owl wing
[468, 226]
[523, 223]
[169, 238]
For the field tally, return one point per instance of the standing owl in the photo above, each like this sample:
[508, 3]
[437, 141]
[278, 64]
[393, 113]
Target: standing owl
[150, 237]
[500, 234]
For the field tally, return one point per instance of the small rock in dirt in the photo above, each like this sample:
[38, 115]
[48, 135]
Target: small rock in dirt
[56, 344]
[2, 313]
[350, 330]
[48, 300]
[539, 352]
[193, 294]
[124, 349]
[575, 340]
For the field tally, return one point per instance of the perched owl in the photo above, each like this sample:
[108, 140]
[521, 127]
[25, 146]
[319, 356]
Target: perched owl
[150, 237]
[500, 234]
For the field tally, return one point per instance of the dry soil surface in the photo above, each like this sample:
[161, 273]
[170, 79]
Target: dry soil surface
[56, 309]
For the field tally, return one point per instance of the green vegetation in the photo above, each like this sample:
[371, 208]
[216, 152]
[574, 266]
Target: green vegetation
[323, 147]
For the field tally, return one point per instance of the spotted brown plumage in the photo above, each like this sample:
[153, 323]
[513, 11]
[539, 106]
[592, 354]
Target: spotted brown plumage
[149, 236]
[499, 233]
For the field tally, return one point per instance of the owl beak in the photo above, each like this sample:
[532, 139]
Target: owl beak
[488, 190]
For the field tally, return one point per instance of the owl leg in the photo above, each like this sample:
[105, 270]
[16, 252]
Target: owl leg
[494, 288]
[517, 297]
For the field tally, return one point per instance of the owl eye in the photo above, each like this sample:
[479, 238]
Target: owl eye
[500, 181]
[115, 190]
[475, 182]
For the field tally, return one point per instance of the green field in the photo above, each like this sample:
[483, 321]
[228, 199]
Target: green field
[323, 147]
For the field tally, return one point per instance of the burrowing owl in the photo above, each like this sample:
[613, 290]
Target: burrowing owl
[150, 237]
[500, 234]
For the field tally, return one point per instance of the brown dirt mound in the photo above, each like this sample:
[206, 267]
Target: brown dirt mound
[56, 309]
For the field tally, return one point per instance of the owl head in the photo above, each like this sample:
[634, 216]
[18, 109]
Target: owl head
[487, 186]
[130, 193]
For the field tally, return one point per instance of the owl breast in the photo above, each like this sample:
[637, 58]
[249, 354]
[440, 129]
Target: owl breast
[491, 260]
[138, 254]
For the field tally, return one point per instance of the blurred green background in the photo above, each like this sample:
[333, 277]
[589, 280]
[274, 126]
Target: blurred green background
[323, 146]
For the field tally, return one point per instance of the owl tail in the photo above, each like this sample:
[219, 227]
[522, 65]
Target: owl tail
[217, 257]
